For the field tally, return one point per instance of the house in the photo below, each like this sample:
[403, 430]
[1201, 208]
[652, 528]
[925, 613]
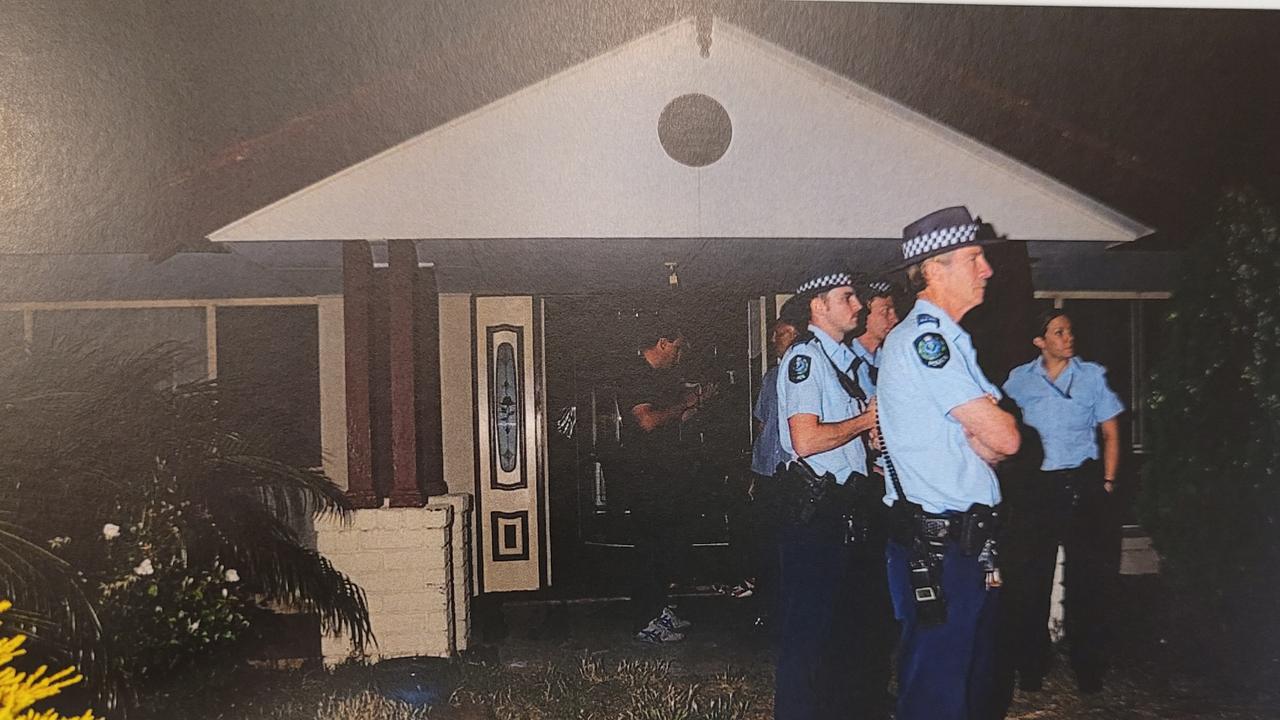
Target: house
[446, 311]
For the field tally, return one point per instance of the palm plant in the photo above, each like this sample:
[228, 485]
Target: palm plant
[97, 449]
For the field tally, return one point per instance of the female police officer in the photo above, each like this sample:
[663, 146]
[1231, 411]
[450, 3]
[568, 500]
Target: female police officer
[1067, 401]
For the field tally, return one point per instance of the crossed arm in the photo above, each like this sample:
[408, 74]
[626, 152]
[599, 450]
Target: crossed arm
[991, 432]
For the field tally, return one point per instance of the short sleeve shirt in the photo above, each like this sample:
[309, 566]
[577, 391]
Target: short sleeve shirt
[928, 367]
[642, 384]
[1066, 411]
[807, 384]
[767, 451]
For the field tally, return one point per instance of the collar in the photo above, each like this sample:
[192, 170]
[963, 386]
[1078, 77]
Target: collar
[1038, 368]
[839, 353]
[861, 351]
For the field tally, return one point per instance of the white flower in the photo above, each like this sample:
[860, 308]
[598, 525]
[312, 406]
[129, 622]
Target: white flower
[144, 568]
[59, 541]
[193, 626]
[231, 575]
[110, 531]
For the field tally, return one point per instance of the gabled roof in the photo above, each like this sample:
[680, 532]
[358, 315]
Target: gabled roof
[812, 155]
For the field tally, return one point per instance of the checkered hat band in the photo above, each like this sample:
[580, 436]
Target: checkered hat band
[880, 287]
[938, 239]
[826, 281]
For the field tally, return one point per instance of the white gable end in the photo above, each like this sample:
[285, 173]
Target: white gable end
[812, 155]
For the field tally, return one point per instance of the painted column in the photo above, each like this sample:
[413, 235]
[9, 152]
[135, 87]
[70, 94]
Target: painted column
[430, 420]
[357, 283]
[402, 267]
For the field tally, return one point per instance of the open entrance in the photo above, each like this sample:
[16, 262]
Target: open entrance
[590, 342]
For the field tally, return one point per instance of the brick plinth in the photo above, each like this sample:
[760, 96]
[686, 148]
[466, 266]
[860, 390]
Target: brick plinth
[414, 566]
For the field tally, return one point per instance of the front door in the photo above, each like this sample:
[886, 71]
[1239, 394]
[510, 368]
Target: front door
[590, 340]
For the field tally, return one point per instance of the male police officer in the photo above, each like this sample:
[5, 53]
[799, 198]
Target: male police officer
[822, 416]
[942, 432]
[877, 300]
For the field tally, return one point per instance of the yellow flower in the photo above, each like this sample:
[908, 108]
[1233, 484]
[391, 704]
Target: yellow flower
[19, 691]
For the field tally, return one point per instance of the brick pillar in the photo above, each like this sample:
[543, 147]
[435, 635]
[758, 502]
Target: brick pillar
[357, 283]
[401, 271]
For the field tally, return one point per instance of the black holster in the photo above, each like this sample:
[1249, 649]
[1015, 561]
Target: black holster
[806, 495]
[866, 515]
[978, 526]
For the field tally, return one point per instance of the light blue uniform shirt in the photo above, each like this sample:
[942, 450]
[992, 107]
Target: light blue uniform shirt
[807, 384]
[767, 452]
[928, 367]
[1067, 412]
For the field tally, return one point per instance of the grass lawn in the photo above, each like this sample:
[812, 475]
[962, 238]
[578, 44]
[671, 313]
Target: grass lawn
[721, 672]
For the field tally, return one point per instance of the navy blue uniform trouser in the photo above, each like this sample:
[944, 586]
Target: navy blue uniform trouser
[836, 627]
[1070, 507]
[945, 671]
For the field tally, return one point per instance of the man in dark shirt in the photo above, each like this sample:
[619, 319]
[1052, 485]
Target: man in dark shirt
[653, 402]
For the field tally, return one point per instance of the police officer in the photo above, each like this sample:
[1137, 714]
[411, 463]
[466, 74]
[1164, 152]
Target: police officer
[877, 299]
[823, 418]
[1068, 401]
[942, 432]
[767, 456]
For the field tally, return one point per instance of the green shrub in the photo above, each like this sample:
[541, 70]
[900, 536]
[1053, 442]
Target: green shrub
[1211, 495]
[144, 523]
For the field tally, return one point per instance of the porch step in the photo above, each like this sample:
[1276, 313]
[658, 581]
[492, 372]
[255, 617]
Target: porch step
[1137, 556]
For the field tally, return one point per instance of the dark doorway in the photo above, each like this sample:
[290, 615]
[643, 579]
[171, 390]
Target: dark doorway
[590, 340]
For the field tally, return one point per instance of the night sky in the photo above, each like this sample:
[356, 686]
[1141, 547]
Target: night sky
[140, 125]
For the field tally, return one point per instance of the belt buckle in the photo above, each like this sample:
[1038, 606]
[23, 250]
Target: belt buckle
[937, 528]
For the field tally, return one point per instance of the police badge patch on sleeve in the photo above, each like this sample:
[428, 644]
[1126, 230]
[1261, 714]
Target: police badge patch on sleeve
[798, 370]
[933, 350]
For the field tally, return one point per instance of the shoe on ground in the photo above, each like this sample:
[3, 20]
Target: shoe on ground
[657, 634]
[668, 619]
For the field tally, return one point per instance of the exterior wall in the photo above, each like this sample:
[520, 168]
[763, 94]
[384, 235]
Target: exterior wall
[333, 390]
[455, 392]
[403, 558]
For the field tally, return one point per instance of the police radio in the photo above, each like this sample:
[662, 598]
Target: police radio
[924, 565]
